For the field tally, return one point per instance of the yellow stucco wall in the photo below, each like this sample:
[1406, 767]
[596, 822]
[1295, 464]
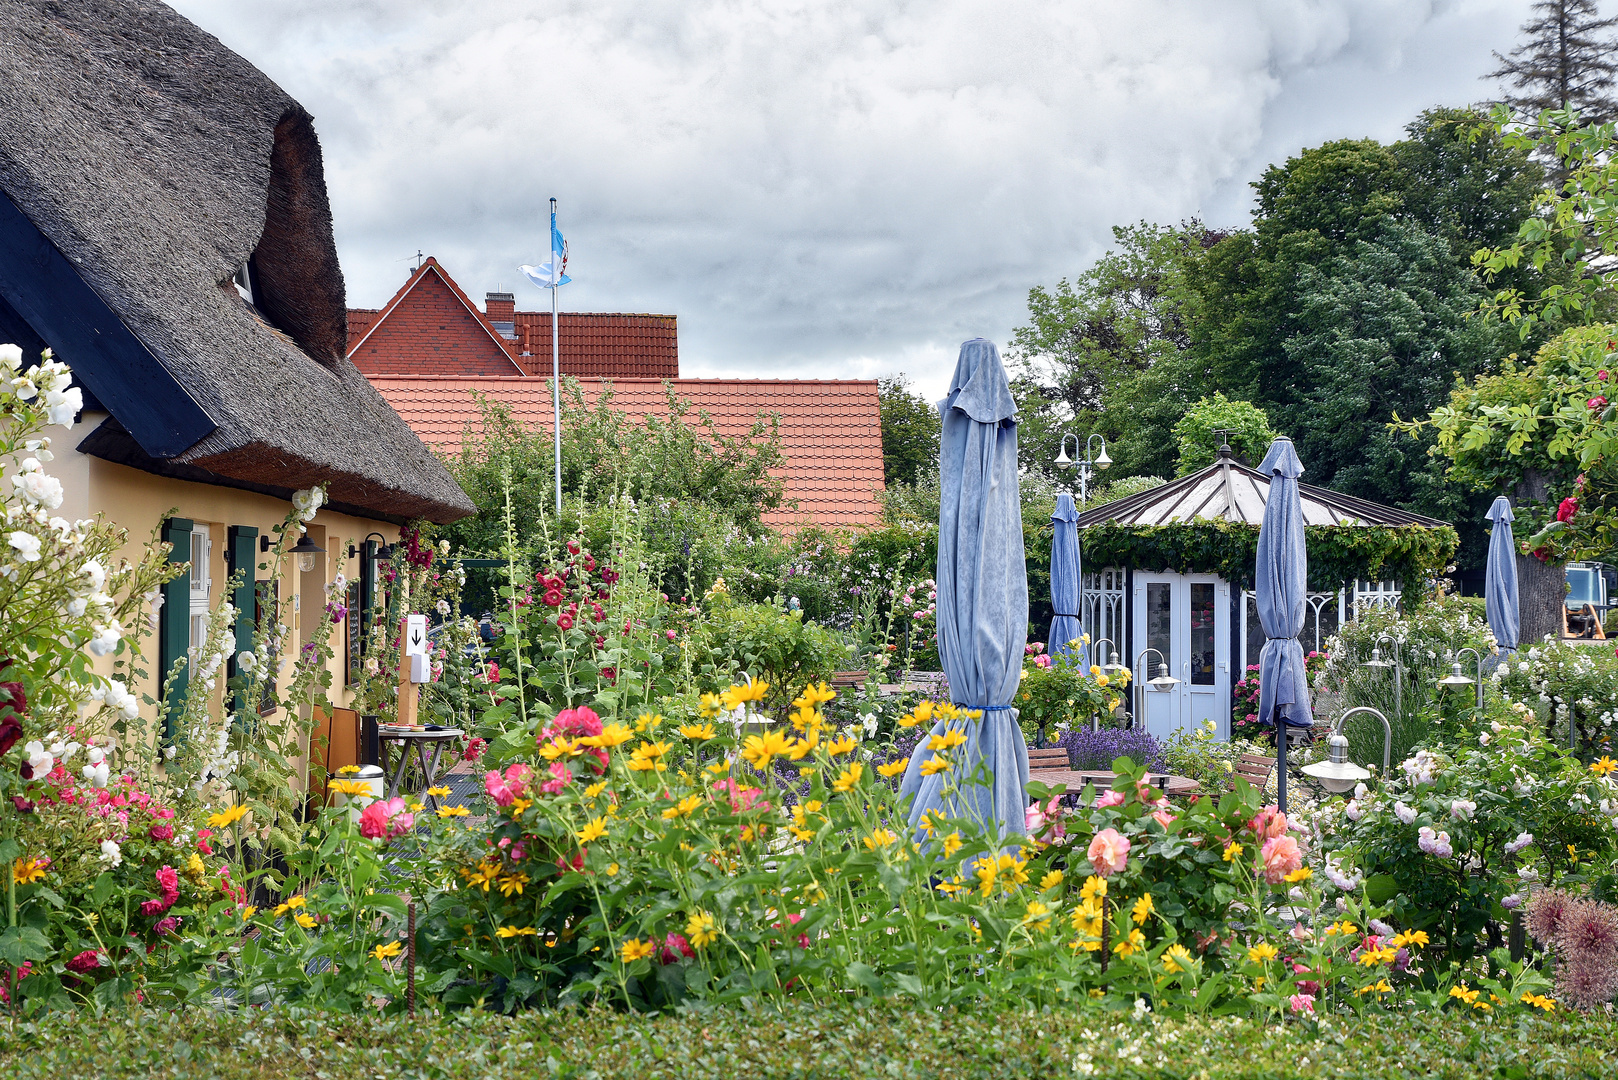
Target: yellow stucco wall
[137, 501]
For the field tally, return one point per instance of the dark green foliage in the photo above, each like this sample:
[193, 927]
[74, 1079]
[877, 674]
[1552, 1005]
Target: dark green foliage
[910, 430]
[1327, 314]
[801, 1041]
[1247, 431]
[1337, 553]
[605, 453]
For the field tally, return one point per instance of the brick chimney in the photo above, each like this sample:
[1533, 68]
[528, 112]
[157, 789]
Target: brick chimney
[501, 308]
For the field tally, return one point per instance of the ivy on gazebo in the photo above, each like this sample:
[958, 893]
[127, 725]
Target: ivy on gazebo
[1337, 553]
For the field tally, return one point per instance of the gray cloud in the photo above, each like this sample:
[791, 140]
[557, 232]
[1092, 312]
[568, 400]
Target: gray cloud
[824, 190]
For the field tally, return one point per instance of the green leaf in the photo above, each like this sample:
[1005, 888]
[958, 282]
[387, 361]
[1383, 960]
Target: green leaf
[866, 976]
[21, 943]
[1380, 888]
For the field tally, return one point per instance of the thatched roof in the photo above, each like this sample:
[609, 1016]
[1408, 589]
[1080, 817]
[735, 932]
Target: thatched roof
[158, 162]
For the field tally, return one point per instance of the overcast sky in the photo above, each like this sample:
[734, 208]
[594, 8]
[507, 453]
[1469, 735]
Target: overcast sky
[822, 189]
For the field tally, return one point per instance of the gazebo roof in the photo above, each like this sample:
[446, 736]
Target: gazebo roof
[1230, 491]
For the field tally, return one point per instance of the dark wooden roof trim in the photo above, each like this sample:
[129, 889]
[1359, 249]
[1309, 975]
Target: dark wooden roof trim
[46, 290]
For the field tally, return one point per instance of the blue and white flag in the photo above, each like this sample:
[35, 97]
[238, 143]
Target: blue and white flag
[553, 273]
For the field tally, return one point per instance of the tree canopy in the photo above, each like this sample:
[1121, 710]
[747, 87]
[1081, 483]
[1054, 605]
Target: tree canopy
[1347, 299]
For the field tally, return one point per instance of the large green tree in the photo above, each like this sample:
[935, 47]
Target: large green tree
[910, 432]
[1345, 301]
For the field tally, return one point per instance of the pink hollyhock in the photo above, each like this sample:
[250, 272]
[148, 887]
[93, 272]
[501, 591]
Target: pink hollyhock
[1302, 1004]
[674, 947]
[506, 789]
[1281, 856]
[564, 622]
[474, 749]
[553, 597]
[741, 798]
[573, 724]
[88, 960]
[1269, 823]
[1109, 852]
[559, 778]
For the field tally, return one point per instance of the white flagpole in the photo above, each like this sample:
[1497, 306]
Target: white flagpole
[556, 363]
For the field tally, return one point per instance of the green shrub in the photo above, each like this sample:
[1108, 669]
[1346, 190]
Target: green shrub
[774, 646]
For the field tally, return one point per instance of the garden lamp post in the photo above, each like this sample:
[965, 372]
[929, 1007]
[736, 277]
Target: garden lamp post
[1456, 677]
[1112, 665]
[1163, 681]
[1337, 774]
[1396, 664]
[1088, 467]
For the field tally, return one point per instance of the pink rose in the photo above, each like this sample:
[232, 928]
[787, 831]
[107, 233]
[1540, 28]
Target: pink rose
[1164, 818]
[374, 821]
[1269, 823]
[1302, 1004]
[1281, 856]
[161, 832]
[1109, 852]
[1039, 819]
[505, 789]
[1110, 798]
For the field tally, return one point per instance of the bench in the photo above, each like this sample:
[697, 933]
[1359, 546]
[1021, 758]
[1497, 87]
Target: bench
[1253, 768]
[1051, 757]
[847, 680]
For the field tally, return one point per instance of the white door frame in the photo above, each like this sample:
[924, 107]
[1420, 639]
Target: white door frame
[1199, 695]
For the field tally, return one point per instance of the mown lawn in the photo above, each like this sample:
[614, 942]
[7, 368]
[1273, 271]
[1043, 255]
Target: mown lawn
[801, 1042]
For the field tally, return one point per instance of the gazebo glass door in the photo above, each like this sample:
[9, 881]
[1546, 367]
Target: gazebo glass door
[1186, 619]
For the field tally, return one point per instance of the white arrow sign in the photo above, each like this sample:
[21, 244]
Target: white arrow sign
[415, 642]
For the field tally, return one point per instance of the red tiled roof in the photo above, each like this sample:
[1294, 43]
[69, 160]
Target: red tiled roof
[430, 327]
[831, 430]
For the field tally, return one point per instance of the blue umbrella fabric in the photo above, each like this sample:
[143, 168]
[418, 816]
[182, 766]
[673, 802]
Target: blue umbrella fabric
[1065, 580]
[1500, 579]
[1282, 586]
[982, 585]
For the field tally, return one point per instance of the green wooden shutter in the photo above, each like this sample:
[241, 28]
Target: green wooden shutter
[174, 625]
[241, 555]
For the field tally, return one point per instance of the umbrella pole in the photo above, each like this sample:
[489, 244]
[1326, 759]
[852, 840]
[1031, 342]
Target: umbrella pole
[1280, 762]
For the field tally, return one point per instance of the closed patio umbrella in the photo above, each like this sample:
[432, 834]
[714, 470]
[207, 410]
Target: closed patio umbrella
[1065, 587]
[982, 585]
[1500, 579]
[1281, 586]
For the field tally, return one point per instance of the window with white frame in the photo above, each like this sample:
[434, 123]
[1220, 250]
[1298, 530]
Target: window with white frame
[201, 585]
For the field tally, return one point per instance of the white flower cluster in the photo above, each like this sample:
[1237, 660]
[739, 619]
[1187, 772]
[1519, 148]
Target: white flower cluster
[116, 696]
[51, 382]
[308, 502]
[222, 760]
[1422, 767]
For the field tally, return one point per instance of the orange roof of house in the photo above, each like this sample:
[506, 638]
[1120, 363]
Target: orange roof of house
[431, 327]
[831, 430]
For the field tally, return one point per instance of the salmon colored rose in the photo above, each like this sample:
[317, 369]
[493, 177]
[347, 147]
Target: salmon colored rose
[1109, 852]
[1281, 856]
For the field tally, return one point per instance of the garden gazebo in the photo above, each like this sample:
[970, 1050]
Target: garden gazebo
[1173, 572]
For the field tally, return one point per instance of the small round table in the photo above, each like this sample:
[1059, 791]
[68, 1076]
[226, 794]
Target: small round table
[421, 742]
